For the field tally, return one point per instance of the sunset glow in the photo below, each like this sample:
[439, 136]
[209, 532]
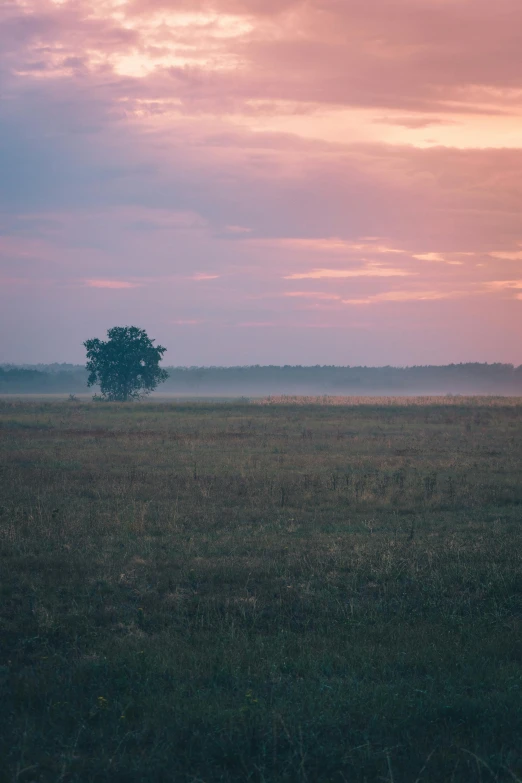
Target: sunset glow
[233, 165]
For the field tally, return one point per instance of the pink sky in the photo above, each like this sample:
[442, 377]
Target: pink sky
[263, 181]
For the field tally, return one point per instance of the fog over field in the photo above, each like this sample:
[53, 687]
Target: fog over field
[257, 381]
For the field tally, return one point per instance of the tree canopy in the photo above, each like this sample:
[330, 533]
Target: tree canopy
[126, 366]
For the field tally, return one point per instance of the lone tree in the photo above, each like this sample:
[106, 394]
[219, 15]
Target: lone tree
[126, 366]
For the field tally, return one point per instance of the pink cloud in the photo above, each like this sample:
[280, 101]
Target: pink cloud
[407, 296]
[410, 56]
[111, 284]
[503, 285]
[372, 270]
[165, 138]
[311, 295]
[513, 255]
[255, 324]
[444, 258]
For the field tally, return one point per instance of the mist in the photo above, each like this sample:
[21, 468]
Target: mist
[257, 381]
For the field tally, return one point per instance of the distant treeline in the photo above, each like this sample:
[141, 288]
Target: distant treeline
[261, 380]
[43, 379]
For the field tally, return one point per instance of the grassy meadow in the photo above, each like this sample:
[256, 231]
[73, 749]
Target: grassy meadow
[236, 591]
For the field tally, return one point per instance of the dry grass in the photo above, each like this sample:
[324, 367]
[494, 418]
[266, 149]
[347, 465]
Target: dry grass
[230, 592]
[354, 400]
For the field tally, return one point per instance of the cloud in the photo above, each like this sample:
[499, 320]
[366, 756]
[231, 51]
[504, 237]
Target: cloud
[237, 230]
[142, 142]
[502, 285]
[513, 255]
[257, 324]
[421, 296]
[372, 270]
[436, 257]
[326, 245]
[406, 296]
[410, 57]
[311, 295]
[412, 121]
[111, 284]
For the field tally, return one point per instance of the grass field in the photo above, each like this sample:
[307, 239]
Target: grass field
[203, 592]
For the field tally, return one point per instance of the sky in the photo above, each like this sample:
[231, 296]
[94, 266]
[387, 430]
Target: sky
[262, 181]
